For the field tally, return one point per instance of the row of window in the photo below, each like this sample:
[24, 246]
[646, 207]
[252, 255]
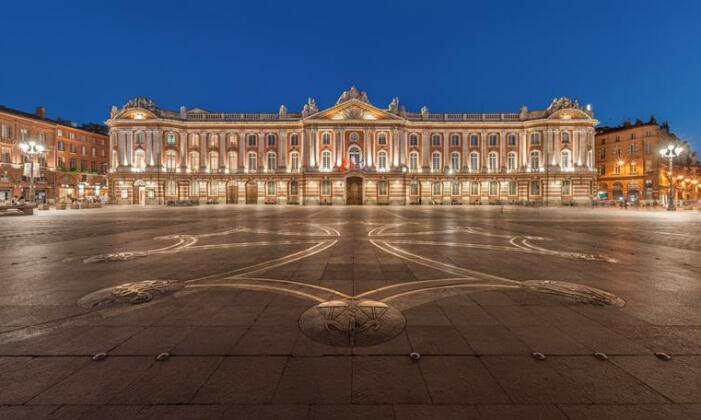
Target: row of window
[326, 163]
[271, 139]
[382, 188]
[73, 148]
[84, 165]
[632, 150]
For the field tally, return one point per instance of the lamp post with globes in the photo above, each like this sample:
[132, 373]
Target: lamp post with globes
[31, 149]
[670, 152]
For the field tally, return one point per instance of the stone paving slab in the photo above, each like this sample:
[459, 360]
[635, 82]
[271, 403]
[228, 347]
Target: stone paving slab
[455, 274]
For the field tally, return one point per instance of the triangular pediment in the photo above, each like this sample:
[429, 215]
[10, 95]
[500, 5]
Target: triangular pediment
[354, 110]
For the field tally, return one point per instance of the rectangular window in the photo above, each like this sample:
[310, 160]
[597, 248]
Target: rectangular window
[535, 187]
[512, 187]
[493, 188]
[326, 187]
[567, 187]
[474, 140]
[602, 170]
[413, 162]
[474, 188]
[455, 188]
[382, 188]
[414, 188]
[271, 188]
[436, 188]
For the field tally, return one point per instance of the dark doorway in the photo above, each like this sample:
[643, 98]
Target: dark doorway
[232, 193]
[354, 191]
[252, 192]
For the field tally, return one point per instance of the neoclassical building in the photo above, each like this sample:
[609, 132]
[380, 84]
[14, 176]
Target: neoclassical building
[351, 153]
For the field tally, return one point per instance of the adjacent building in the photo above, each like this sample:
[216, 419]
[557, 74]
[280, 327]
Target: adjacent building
[630, 167]
[351, 153]
[72, 167]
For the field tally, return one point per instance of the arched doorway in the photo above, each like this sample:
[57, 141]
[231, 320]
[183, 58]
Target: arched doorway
[251, 192]
[354, 190]
[232, 192]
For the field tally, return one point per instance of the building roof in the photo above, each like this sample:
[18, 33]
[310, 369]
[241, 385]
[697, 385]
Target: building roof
[90, 128]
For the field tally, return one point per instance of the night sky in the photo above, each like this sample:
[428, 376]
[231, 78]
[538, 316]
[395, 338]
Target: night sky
[630, 59]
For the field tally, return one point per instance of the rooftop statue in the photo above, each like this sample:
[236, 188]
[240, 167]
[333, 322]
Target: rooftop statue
[353, 93]
[140, 102]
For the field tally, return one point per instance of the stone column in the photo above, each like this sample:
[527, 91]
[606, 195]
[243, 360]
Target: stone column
[484, 138]
[242, 138]
[338, 148]
[548, 150]
[465, 154]
[523, 149]
[305, 147]
[262, 159]
[502, 150]
[282, 150]
[203, 151]
[157, 148]
[130, 148]
[446, 151]
[183, 151]
[121, 148]
[149, 148]
[402, 148]
[425, 150]
[313, 149]
[222, 150]
[395, 149]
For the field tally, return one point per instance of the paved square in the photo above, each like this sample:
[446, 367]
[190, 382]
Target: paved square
[312, 313]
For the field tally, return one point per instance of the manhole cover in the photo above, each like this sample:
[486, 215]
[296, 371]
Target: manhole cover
[129, 293]
[352, 322]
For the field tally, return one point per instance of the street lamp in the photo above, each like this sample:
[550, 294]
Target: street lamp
[31, 149]
[670, 152]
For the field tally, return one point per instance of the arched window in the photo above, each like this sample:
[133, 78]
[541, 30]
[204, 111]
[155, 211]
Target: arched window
[326, 160]
[271, 140]
[233, 162]
[414, 187]
[413, 140]
[474, 188]
[454, 140]
[232, 140]
[294, 140]
[535, 160]
[252, 140]
[436, 140]
[171, 139]
[511, 161]
[213, 161]
[565, 161]
[171, 160]
[294, 188]
[436, 190]
[139, 159]
[213, 141]
[382, 138]
[436, 161]
[294, 161]
[272, 161]
[565, 137]
[492, 139]
[535, 187]
[252, 161]
[474, 140]
[474, 161]
[213, 188]
[194, 161]
[535, 139]
[382, 161]
[194, 140]
[493, 161]
[413, 161]
[455, 161]
[140, 138]
[326, 139]
[511, 140]
[354, 155]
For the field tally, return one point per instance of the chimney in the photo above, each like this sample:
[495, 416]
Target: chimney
[41, 112]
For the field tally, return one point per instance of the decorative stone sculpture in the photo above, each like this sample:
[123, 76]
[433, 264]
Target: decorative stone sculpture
[394, 105]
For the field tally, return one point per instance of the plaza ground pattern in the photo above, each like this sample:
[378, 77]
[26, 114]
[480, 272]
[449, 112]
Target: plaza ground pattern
[269, 312]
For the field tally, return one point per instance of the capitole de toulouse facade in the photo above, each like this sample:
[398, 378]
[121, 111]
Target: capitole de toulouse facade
[351, 153]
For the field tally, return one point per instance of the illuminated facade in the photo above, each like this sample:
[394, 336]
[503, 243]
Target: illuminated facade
[73, 165]
[630, 168]
[351, 153]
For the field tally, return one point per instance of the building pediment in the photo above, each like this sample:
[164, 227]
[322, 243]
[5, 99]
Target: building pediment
[353, 110]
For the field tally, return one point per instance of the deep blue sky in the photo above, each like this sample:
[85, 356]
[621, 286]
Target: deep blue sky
[629, 59]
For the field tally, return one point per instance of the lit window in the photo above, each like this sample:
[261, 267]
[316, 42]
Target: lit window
[171, 160]
[194, 161]
[535, 139]
[474, 188]
[382, 161]
[436, 161]
[565, 161]
[535, 187]
[414, 188]
[140, 138]
[326, 187]
[326, 160]
[535, 160]
[271, 188]
[455, 188]
[566, 187]
[493, 161]
[512, 187]
[170, 139]
[252, 162]
[233, 161]
[565, 138]
[413, 161]
[474, 161]
[213, 161]
[436, 188]
[382, 138]
[455, 161]
[272, 161]
[326, 138]
[294, 161]
[511, 161]
[382, 188]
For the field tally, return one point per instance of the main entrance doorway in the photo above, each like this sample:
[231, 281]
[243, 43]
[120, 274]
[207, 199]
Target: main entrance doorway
[252, 192]
[354, 191]
[232, 193]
